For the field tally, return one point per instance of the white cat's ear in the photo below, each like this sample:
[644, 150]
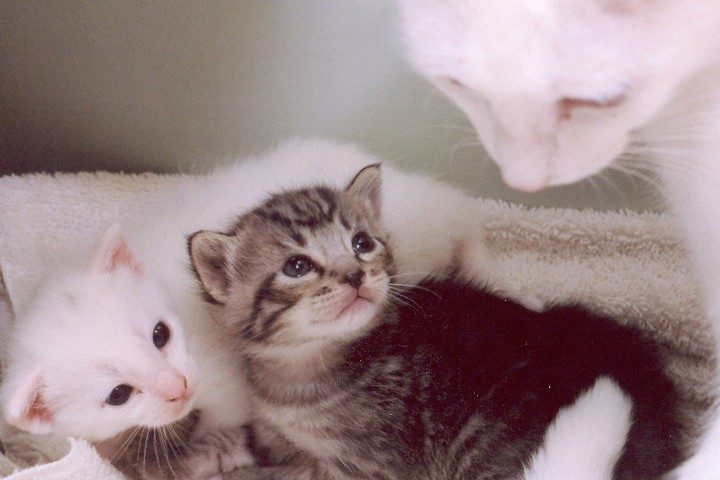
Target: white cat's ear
[208, 254]
[24, 406]
[622, 6]
[114, 252]
[366, 187]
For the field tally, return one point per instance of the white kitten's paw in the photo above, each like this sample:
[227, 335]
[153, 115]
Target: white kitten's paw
[474, 261]
[215, 452]
[704, 464]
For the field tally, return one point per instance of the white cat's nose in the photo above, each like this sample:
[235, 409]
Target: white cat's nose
[171, 385]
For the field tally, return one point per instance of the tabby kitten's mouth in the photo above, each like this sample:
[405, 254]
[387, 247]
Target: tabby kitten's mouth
[355, 306]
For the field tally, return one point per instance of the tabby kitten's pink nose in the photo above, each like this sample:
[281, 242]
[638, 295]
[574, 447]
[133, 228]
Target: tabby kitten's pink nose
[171, 385]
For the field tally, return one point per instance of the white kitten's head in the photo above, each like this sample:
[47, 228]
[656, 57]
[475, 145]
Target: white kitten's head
[97, 353]
[554, 88]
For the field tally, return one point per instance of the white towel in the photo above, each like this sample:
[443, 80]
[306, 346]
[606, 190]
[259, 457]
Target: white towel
[627, 265]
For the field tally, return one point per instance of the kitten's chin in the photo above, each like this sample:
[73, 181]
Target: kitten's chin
[356, 315]
[356, 306]
[174, 413]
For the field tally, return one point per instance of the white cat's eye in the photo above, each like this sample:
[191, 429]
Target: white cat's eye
[566, 105]
[454, 82]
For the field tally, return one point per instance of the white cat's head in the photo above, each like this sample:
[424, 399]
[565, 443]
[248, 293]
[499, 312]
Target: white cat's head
[554, 88]
[98, 352]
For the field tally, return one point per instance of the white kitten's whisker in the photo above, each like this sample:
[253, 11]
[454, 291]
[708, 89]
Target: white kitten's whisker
[124, 446]
[164, 448]
[144, 456]
[177, 444]
[155, 447]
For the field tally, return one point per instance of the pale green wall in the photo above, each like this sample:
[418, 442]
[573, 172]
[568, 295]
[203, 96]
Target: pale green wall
[171, 86]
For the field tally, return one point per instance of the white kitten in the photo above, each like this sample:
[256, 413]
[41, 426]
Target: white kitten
[100, 352]
[558, 89]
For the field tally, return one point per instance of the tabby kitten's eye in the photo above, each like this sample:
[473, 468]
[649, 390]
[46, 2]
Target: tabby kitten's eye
[119, 395]
[161, 335]
[363, 243]
[298, 266]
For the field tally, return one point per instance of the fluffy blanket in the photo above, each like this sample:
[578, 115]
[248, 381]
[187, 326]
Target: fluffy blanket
[627, 265]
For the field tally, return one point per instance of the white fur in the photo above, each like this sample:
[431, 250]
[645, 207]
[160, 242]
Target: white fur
[426, 219]
[89, 330]
[586, 439]
[520, 61]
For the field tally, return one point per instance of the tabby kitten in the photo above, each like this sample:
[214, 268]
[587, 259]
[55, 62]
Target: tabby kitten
[353, 379]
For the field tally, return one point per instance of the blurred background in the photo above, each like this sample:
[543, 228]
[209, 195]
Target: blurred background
[180, 86]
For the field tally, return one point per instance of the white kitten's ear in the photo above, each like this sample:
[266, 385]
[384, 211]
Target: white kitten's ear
[208, 254]
[114, 252]
[24, 406]
[366, 187]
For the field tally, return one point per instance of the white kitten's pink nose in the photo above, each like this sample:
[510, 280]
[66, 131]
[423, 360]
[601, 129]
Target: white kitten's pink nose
[171, 385]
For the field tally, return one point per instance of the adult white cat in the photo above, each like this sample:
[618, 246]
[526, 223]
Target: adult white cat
[557, 90]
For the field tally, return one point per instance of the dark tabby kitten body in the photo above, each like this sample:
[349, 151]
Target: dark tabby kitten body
[440, 382]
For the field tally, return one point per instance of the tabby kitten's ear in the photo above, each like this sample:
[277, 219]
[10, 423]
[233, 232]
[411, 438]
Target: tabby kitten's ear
[366, 188]
[208, 256]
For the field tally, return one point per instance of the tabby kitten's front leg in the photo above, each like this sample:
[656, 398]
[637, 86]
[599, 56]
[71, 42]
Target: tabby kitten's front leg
[217, 451]
[300, 472]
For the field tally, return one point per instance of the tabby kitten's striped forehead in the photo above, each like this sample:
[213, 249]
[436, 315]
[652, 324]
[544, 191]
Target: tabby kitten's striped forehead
[304, 266]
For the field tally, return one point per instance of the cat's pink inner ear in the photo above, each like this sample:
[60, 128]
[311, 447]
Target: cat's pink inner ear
[115, 252]
[27, 409]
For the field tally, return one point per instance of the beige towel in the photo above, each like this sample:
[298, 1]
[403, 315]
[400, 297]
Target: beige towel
[627, 265]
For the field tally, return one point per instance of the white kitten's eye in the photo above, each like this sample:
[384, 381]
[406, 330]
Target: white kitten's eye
[119, 395]
[161, 335]
[566, 105]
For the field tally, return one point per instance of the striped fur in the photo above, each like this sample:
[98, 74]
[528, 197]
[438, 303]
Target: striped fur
[440, 382]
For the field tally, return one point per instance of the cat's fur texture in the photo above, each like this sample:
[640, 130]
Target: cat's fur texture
[354, 379]
[427, 218]
[558, 90]
[92, 329]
